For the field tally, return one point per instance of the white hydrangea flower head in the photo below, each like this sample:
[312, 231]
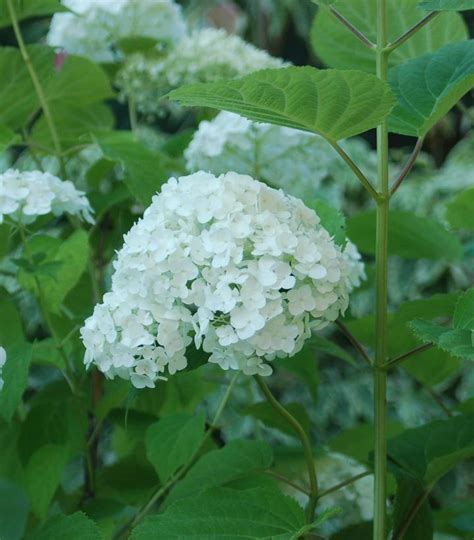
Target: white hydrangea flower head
[25, 195]
[239, 268]
[294, 160]
[3, 359]
[96, 25]
[207, 55]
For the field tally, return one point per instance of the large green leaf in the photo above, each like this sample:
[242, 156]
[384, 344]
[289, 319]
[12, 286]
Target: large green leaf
[410, 236]
[238, 459]
[61, 264]
[74, 527]
[11, 325]
[447, 5]
[172, 441]
[26, 9]
[431, 451]
[427, 87]
[225, 513]
[145, 170]
[42, 475]
[336, 104]
[7, 138]
[337, 47]
[14, 509]
[460, 210]
[15, 377]
[409, 491]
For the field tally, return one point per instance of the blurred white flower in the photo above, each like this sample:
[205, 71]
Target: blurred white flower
[206, 55]
[26, 195]
[3, 359]
[96, 26]
[238, 267]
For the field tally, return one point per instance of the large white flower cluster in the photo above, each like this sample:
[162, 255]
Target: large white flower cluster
[240, 268]
[291, 159]
[96, 26]
[206, 55]
[25, 195]
[3, 359]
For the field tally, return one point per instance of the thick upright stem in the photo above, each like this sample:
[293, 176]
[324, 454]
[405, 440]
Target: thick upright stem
[381, 262]
[299, 431]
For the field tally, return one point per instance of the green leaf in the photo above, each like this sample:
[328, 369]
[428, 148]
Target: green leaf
[42, 476]
[146, 171]
[447, 5]
[303, 364]
[431, 451]
[409, 492]
[331, 219]
[172, 441]
[26, 9]
[464, 312]
[410, 236]
[427, 331]
[14, 509]
[332, 349]
[69, 257]
[11, 326]
[238, 459]
[218, 513]
[15, 377]
[77, 526]
[337, 47]
[7, 138]
[460, 210]
[264, 412]
[359, 531]
[428, 86]
[336, 104]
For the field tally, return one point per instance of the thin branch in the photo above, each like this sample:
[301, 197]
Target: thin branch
[408, 166]
[300, 432]
[354, 341]
[398, 359]
[344, 483]
[286, 480]
[357, 33]
[411, 515]
[411, 31]
[438, 400]
[355, 169]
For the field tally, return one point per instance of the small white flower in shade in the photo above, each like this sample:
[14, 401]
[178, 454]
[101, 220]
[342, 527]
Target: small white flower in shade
[26, 195]
[245, 299]
[3, 359]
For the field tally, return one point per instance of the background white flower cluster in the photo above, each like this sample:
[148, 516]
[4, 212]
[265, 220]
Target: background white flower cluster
[242, 268]
[95, 26]
[3, 359]
[206, 55]
[25, 195]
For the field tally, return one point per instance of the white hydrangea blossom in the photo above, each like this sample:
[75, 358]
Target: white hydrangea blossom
[294, 160]
[96, 25]
[240, 268]
[3, 359]
[25, 195]
[206, 55]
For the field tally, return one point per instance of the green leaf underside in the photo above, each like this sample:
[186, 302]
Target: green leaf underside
[172, 441]
[410, 236]
[427, 87]
[333, 103]
[447, 5]
[431, 451]
[74, 527]
[224, 513]
[337, 47]
[460, 211]
[238, 459]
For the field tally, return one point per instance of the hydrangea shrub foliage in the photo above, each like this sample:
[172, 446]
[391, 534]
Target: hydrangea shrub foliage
[236, 290]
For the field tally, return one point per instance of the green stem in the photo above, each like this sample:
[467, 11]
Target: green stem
[308, 453]
[357, 33]
[289, 482]
[381, 265]
[398, 535]
[37, 84]
[411, 31]
[355, 169]
[181, 472]
[343, 484]
[398, 359]
[354, 341]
